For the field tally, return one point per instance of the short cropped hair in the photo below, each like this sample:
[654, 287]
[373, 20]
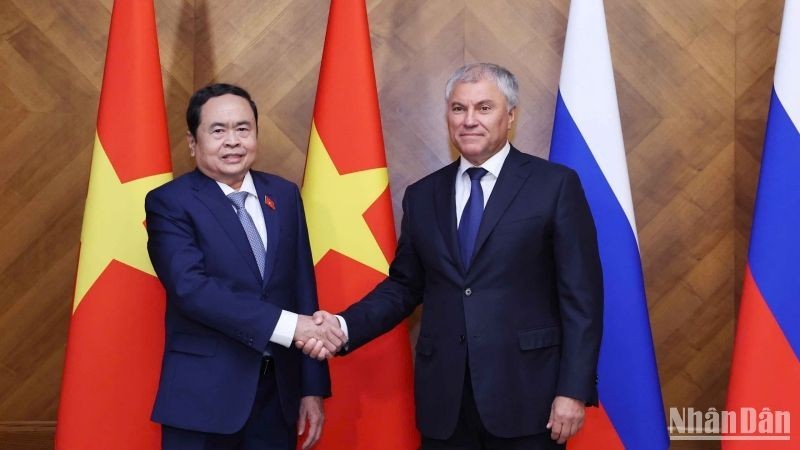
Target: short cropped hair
[472, 73]
[204, 94]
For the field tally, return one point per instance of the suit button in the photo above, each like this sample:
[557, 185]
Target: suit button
[461, 339]
[468, 292]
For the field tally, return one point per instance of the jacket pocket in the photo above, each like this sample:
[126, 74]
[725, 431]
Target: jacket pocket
[193, 344]
[424, 346]
[539, 338]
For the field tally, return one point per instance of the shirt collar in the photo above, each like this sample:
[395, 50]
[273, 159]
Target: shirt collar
[247, 186]
[492, 165]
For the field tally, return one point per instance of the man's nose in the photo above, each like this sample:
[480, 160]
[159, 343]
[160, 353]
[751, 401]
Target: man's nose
[470, 119]
[231, 138]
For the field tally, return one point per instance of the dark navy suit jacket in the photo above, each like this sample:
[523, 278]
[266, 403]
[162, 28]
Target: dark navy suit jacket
[220, 314]
[525, 319]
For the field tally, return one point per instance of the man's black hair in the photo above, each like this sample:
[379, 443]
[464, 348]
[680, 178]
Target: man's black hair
[200, 98]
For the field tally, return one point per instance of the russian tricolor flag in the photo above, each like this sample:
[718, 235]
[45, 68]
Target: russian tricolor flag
[587, 136]
[766, 370]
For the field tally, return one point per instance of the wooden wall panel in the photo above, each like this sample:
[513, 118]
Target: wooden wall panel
[681, 168]
[757, 26]
[51, 64]
[693, 80]
[48, 85]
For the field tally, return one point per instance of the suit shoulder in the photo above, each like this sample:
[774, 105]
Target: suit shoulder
[172, 187]
[547, 167]
[429, 180]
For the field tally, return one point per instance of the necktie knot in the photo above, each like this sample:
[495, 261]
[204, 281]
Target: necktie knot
[476, 173]
[238, 198]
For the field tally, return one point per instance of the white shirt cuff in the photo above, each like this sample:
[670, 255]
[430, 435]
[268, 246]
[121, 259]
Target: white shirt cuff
[343, 325]
[284, 329]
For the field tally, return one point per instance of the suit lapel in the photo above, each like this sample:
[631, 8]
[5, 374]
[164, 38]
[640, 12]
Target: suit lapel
[512, 177]
[208, 192]
[265, 198]
[445, 195]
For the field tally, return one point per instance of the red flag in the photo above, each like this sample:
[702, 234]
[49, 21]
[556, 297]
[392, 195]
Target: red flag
[349, 212]
[116, 335]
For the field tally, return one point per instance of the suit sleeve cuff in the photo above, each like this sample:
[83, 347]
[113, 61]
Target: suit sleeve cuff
[343, 325]
[284, 329]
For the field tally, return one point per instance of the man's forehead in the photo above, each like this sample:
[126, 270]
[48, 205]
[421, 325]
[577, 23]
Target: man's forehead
[227, 106]
[477, 91]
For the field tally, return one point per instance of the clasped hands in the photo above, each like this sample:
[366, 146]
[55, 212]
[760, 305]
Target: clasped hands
[319, 336]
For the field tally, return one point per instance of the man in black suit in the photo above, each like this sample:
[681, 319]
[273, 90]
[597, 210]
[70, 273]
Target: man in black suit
[501, 248]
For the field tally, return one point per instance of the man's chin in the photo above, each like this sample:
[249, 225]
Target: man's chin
[471, 152]
[237, 167]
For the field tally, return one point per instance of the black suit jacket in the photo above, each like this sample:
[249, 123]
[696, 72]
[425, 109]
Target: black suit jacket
[525, 319]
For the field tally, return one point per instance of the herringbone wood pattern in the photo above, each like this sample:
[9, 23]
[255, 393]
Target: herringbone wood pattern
[51, 67]
[693, 80]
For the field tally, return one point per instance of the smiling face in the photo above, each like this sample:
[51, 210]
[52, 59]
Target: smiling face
[226, 141]
[478, 120]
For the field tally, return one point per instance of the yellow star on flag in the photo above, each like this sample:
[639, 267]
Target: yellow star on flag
[335, 205]
[113, 222]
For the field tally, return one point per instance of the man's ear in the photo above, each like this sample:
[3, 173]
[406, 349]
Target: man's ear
[192, 143]
[512, 114]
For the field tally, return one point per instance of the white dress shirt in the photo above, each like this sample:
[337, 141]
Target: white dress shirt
[464, 184]
[284, 329]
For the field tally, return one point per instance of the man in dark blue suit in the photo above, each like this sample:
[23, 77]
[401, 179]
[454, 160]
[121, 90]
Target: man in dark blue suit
[230, 245]
[501, 248]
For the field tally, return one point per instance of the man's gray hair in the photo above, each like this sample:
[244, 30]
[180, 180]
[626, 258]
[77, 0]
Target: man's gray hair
[472, 73]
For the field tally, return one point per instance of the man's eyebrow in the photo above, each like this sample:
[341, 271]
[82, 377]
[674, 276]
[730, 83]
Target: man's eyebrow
[479, 102]
[221, 124]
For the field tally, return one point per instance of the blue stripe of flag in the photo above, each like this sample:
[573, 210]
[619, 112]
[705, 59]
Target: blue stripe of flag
[628, 379]
[775, 240]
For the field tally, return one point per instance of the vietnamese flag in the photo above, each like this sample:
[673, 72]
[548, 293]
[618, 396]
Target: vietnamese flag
[116, 335]
[765, 373]
[349, 213]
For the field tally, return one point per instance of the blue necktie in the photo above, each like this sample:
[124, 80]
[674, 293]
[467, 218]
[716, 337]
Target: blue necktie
[238, 198]
[471, 216]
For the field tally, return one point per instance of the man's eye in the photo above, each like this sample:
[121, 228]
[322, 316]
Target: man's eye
[216, 131]
[486, 108]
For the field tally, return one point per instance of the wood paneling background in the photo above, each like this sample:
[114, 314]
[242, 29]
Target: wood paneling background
[693, 79]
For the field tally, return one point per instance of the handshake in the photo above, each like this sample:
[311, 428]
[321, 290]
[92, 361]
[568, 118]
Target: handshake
[319, 336]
